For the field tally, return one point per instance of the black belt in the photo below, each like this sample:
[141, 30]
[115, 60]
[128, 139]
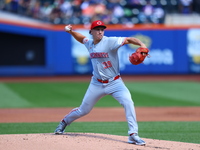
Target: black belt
[106, 81]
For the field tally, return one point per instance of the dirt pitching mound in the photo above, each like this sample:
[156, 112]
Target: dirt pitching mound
[85, 141]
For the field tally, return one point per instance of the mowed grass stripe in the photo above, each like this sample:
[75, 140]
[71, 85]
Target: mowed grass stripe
[69, 94]
[10, 98]
[178, 91]
[50, 94]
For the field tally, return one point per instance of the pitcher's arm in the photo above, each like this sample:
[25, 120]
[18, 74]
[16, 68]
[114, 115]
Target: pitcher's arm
[78, 36]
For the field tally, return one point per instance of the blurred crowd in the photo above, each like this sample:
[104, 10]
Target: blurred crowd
[109, 11]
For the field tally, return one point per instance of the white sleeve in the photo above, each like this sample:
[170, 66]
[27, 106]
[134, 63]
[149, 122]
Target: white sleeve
[86, 42]
[121, 40]
[117, 42]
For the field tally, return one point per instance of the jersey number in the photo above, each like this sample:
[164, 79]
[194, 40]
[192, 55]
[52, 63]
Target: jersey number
[107, 64]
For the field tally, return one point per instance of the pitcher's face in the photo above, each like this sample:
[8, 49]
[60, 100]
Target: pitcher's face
[97, 33]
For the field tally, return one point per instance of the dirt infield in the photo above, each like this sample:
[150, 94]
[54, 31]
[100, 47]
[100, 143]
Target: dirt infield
[92, 141]
[101, 114]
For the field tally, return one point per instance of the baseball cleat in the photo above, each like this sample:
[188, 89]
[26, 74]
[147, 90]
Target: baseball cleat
[60, 128]
[135, 139]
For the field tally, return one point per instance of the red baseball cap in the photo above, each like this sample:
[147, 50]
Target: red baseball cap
[97, 23]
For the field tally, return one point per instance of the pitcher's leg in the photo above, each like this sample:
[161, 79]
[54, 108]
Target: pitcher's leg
[73, 115]
[76, 113]
[93, 94]
[123, 96]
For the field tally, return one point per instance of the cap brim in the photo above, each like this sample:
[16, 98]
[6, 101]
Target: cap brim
[99, 26]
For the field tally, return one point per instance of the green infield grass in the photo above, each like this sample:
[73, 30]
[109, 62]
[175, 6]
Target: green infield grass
[21, 95]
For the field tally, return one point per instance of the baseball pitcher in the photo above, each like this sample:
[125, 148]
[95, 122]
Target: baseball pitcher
[106, 79]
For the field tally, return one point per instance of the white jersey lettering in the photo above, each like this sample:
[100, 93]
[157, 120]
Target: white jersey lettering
[99, 55]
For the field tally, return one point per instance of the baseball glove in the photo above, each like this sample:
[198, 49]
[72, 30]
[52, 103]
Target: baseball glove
[139, 56]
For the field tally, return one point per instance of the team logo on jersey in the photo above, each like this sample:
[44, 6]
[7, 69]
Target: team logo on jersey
[85, 40]
[99, 55]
